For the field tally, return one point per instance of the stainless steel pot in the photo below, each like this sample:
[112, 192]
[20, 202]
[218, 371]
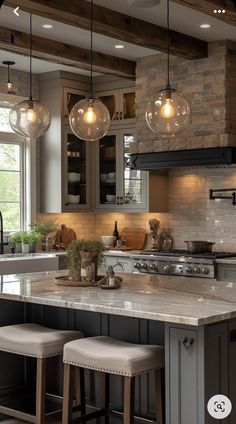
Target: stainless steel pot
[199, 246]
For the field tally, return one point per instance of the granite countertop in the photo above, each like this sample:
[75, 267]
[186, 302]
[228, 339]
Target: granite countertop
[182, 300]
[228, 261]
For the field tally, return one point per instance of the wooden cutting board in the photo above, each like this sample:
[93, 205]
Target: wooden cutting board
[64, 236]
[135, 237]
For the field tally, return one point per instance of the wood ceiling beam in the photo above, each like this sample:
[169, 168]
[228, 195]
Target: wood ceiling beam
[114, 24]
[208, 7]
[54, 51]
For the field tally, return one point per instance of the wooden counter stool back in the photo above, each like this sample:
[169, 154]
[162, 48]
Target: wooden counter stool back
[33, 340]
[111, 356]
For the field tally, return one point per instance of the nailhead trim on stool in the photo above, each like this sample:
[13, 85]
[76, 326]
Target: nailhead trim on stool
[110, 356]
[41, 343]
[35, 340]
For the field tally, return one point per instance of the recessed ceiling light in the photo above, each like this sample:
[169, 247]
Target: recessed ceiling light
[119, 46]
[47, 26]
[205, 26]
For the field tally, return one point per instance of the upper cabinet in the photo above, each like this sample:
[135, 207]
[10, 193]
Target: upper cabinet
[71, 96]
[119, 97]
[117, 186]
[65, 160]
[121, 105]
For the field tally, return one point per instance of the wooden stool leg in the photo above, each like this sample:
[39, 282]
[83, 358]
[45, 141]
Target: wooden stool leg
[159, 397]
[80, 389]
[68, 393]
[40, 390]
[104, 396]
[128, 400]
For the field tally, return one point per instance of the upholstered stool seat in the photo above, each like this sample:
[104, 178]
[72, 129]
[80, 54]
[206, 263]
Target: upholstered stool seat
[111, 356]
[33, 340]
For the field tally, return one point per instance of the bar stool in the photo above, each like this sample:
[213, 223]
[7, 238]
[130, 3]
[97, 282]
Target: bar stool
[111, 356]
[33, 340]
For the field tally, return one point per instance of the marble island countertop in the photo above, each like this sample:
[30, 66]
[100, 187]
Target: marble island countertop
[192, 301]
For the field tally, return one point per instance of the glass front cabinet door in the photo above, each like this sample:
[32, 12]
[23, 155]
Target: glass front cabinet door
[71, 96]
[76, 193]
[120, 104]
[119, 187]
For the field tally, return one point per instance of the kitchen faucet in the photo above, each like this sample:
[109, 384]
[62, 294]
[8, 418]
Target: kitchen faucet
[1, 235]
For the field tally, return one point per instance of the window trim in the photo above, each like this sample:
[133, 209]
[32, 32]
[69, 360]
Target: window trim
[28, 158]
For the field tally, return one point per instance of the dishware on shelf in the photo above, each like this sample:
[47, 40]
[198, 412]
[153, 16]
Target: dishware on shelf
[111, 176]
[107, 241]
[103, 177]
[73, 199]
[110, 198]
[73, 177]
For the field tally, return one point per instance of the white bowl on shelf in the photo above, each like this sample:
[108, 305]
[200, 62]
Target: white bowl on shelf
[110, 198]
[111, 176]
[107, 241]
[103, 177]
[73, 199]
[73, 177]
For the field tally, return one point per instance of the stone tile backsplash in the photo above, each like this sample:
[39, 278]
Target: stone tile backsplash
[193, 216]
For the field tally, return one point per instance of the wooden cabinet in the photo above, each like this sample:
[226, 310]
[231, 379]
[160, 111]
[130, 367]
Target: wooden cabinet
[120, 103]
[184, 385]
[71, 96]
[226, 272]
[65, 160]
[76, 184]
[118, 187]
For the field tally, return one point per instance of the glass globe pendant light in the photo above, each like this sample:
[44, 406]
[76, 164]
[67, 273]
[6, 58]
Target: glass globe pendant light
[168, 113]
[30, 118]
[89, 118]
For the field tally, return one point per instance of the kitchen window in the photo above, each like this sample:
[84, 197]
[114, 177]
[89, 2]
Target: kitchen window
[17, 178]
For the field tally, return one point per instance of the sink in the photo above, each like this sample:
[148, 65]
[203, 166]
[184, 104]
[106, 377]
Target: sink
[30, 262]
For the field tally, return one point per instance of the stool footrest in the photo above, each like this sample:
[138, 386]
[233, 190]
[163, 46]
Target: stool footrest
[91, 416]
[17, 414]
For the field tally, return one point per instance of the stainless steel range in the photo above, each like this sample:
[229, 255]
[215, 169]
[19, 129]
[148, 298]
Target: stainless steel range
[178, 262]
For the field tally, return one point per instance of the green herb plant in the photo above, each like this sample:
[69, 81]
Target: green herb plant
[73, 254]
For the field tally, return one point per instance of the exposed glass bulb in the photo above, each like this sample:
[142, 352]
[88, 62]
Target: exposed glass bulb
[30, 119]
[90, 116]
[168, 113]
[167, 110]
[89, 119]
[9, 86]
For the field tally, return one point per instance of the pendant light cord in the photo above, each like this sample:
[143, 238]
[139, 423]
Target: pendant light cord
[9, 78]
[30, 57]
[168, 44]
[91, 49]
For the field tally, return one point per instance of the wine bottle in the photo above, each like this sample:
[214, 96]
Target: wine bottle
[115, 235]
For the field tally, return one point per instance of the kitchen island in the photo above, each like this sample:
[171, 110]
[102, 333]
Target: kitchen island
[194, 318]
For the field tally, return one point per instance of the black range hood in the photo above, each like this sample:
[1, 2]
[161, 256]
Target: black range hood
[182, 158]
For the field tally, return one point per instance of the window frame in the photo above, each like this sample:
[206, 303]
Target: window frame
[28, 163]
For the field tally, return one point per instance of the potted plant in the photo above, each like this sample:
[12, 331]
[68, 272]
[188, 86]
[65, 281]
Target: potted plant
[16, 240]
[78, 251]
[26, 241]
[44, 228]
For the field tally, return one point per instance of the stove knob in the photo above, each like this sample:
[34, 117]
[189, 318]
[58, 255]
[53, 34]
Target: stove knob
[143, 266]
[167, 268]
[197, 269]
[189, 269]
[137, 265]
[205, 270]
[153, 267]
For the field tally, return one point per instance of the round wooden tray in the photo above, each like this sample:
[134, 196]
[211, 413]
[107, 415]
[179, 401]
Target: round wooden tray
[65, 281]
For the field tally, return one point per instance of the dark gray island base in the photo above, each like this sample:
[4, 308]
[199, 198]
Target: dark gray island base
[195, 319]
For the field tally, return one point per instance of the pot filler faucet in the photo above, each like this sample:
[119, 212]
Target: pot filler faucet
[1, 235]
